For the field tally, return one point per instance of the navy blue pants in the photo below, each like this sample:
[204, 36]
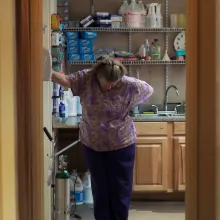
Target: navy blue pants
[112, 179]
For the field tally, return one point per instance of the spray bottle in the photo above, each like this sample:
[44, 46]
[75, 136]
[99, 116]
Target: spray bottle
[151, 17]
[159, 16]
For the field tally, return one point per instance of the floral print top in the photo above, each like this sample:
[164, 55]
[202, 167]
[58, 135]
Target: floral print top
[106, 124]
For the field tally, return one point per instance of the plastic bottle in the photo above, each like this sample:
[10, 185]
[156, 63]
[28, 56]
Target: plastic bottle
[76, 189]
[62, 107]
[142, 52]
[72, 103]
[133, 15]
[79, 106]
[72, 106]
[87, 189]
[122, 11]
[66, 95]
[151, 17]
[156, 50]
[148, 52]
[159, 16]
[143, 13]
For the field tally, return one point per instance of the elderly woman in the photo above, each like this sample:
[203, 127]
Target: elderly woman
[107, 132]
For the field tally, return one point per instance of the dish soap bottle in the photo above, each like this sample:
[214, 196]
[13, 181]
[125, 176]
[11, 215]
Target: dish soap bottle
[133, 15]
[156, 50]
[122, 11]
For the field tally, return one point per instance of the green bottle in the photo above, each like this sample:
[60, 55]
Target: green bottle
[156, 50]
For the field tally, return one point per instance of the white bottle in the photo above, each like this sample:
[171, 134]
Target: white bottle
[122, 11]
[87, 189]
[76, 189]
[72, 106]
[143, 13]
[152, 18]
[159, 16]
[142, 52]
[79, 106]
[133, 15]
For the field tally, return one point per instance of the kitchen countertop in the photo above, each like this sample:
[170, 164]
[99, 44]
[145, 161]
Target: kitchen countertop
[73, 122]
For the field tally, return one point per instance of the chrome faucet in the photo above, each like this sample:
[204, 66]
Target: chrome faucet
[166, 95]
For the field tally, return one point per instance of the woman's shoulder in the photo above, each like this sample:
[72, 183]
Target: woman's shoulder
[128, 80]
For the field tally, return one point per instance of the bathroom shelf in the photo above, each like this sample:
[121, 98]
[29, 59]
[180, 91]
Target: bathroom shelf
[154, 62]
[99, 29]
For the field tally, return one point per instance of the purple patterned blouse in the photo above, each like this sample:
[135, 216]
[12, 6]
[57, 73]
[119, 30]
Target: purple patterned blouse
[105, 124]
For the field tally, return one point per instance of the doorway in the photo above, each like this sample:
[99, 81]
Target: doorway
[202, 84]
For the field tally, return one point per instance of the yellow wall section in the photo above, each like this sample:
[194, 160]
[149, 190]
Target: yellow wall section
[7, 113]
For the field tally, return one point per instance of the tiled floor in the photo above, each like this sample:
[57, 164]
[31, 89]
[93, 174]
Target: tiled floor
[145, 211]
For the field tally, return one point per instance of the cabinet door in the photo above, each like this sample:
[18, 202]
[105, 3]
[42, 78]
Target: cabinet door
[179, 163]
[150, 173]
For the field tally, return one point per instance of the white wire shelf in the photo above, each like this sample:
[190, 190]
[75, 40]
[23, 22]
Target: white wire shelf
[153, 62]
[101, 29]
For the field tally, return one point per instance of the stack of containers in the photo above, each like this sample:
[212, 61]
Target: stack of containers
[80, 47]
[63, 11]
[102, 19]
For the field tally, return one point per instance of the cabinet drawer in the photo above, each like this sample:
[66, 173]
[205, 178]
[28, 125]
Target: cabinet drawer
[179, 128]
[151, 128]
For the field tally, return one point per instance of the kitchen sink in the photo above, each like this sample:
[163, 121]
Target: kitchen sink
[171, 114]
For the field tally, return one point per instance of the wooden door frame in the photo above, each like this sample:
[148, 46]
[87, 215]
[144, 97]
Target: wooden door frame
[202, 119]
[29, 95]
[202, 138]
[8, 177]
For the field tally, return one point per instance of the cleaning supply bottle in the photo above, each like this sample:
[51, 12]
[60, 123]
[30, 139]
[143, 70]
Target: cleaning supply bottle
[72, 104]
[62, 107]
[159, 16]
[66, 97]
[156, 50]
[148, 16]
[79, 106]
[148, 52]
[87, 189]
[133, 15]
[143, 13]
[122, 11]
[151, 17]
[76, 189]
[142, 52]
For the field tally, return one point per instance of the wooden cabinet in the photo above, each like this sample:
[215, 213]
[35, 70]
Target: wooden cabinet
[150, 165]
[179, 163]
[160, 157]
